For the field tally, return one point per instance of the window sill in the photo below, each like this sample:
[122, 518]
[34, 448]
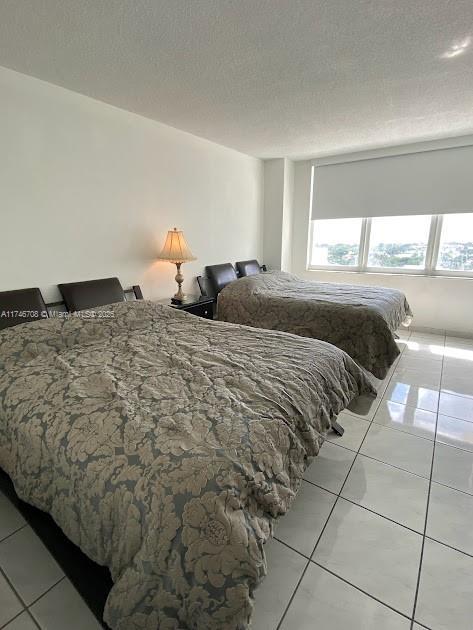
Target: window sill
[399, 273]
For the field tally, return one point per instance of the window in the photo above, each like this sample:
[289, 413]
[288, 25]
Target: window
[456, 243]
[336, 242]
[399, 242]
[424, 244]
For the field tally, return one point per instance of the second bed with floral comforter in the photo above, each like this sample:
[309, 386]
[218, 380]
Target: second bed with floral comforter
[165, 446]
[358, 319]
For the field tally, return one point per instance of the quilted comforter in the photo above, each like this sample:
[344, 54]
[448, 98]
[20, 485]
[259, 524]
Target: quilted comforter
[165, 446]
[358, 319]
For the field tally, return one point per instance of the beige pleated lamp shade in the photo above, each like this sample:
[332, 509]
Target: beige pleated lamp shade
[175, 248]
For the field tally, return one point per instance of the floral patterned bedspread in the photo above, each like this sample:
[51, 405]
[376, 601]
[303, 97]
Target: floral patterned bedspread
[358, 319]
[165, 446]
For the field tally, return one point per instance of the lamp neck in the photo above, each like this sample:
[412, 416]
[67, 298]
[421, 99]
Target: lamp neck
[179, 279]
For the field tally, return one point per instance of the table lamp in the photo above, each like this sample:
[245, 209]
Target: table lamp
[176, 251]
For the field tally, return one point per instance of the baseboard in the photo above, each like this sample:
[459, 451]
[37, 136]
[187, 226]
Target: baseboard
[441, 331]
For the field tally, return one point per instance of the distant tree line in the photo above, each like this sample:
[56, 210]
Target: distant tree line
[453, 256]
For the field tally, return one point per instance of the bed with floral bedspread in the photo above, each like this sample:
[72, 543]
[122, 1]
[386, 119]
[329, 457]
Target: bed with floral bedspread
[358, 319]
[166, 446]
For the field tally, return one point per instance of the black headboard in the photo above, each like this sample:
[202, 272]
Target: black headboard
[247, 267]
[91, 293]
[20, 306]
[219, 276]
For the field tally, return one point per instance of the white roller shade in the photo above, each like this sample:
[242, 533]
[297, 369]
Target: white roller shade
[431, 182]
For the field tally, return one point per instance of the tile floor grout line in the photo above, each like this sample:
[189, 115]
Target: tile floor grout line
[304, 571]
[312, 483]
[415, 531]
[391, 520]
[454, 417]
[364, 507]
[361, 590]
[380, 461]
[399, 430]
[456, 396]
[393, 466]
[13, 533]
[291, 548]
[457, 448]
[10, 584]
[13, 618]
[420, 437]
[326, 521]
[26, 612]
[33, 619]
[439, 542]
[419, 573]
[15, 590]
[344, 447]
[46, 592]
[439, 483]
[421, 625]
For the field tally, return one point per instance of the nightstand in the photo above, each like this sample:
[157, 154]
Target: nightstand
[195, 304]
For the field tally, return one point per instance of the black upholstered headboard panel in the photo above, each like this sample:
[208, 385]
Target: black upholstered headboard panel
[20, 306]
[220, 275]
[91, 293]
[248, 267]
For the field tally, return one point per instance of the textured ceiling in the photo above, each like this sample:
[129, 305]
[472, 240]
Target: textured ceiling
[271, 78]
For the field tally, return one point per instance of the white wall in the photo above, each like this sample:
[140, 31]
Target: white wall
[440, 303]
[88, 190]
[278, 212]
[288, 216]
[273, 212]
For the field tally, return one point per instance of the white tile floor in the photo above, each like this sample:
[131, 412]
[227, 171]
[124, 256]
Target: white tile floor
[380, 535]
[396, 551]
[34, 593]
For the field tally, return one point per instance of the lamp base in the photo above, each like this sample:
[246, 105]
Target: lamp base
[179, 296]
